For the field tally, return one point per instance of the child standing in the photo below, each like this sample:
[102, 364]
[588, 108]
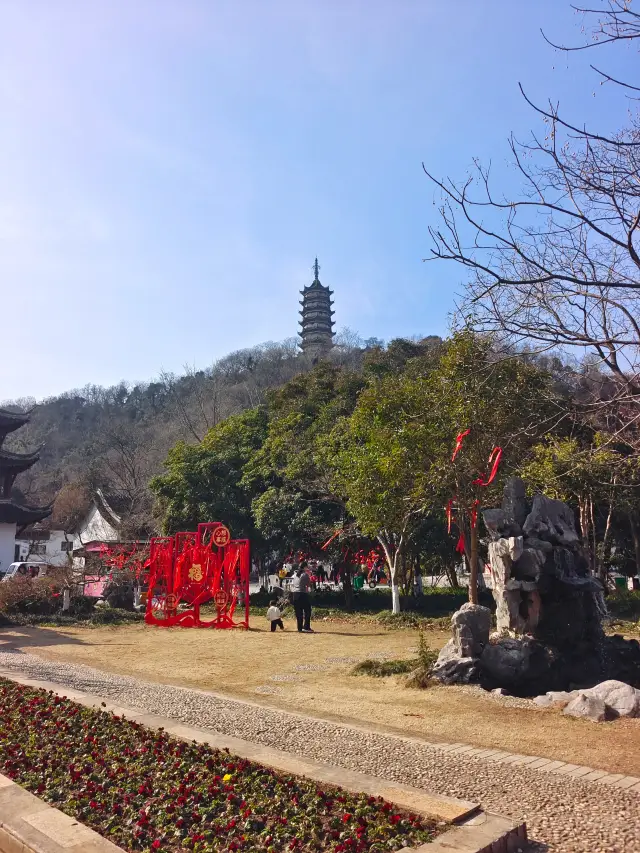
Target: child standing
[274, 616]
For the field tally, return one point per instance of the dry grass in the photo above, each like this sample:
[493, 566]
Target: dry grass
[238, 663]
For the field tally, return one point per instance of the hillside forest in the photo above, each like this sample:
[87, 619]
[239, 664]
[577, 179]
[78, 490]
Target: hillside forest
[357, 447]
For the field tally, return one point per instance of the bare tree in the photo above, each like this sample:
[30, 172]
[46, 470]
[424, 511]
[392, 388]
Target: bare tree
[195, 399]
[559, 265]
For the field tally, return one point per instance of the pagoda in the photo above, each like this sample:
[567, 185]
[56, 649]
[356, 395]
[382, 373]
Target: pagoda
[317, 318]
[14, 516]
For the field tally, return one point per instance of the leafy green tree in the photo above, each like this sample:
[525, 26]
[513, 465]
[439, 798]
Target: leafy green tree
[296, 504]
[597, 476]
[393, 457]
[205, 482]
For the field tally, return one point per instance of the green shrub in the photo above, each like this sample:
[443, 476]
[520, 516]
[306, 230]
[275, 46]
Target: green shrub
[419, 667]
[419, 679]
[426, 656]
[106, 616]
[381, 669]
[625, 605]
[421, 676]
[37, 596]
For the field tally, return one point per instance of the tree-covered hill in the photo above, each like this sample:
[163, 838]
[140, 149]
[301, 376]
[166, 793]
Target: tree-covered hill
[118, 438]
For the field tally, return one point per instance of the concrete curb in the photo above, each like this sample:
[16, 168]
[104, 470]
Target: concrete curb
[28, 825]
[475, 831]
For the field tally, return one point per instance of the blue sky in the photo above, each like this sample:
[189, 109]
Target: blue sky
[170, 169]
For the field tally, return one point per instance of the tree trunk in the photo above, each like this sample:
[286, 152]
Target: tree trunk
[473, 566]
[393, 568]
[452, 575]
[635, 535]
[407, 576]
[393, 574]
[606, 549]
[395, 597]
[592, 521]
[585, 509]
[347, 588]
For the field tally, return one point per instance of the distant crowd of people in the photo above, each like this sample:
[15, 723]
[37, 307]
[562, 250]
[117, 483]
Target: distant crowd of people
[320, 575]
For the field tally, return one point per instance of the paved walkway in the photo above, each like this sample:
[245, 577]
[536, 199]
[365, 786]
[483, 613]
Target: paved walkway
[567, 809]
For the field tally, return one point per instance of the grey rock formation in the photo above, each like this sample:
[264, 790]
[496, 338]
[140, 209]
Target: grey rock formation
[584, 705]
[621, 699]
[457, 671]
[552, 521]
[549, 609]
[471, 625]
[458, 660]
[506, 660]
[514, 501]
[541, 583]
[554, 697]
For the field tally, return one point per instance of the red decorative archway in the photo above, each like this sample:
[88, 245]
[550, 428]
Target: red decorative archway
[189, 572]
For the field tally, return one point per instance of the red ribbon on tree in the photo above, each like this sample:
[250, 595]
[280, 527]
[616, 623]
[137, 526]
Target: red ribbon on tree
[329, 541]
[449, 512]
[459, 439]
[483, 480]
[494, 464]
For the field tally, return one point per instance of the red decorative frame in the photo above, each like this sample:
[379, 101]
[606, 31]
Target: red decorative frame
[188, 571]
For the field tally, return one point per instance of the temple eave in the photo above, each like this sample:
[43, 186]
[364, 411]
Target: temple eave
[17, 461]
[15, 513]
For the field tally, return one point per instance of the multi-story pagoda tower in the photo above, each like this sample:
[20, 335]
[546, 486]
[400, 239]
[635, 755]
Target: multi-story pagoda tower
[317, 318]
[14, 515]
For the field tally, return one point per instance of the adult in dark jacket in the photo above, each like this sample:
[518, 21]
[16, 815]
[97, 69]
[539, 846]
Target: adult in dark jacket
[299, 588]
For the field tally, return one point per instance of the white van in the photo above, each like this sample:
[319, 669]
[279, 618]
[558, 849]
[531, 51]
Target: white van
[28, 569]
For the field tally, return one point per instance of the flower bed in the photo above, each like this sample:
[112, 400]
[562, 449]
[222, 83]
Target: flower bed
[147, 791]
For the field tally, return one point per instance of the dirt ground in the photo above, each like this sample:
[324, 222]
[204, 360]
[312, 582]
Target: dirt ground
[311, 673]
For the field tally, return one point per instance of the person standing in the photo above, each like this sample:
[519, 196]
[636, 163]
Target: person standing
[300, 585]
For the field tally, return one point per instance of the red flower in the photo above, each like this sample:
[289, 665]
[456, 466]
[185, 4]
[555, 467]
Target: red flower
[346, 817]
[156, 844]
[93, 804]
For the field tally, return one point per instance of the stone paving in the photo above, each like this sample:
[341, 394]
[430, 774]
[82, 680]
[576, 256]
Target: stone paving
[567, 808]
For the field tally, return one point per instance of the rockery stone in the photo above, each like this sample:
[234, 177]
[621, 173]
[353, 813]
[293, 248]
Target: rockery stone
[549, 607]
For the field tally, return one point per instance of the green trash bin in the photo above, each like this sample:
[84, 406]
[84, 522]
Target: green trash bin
[358, 582]
[620, 582]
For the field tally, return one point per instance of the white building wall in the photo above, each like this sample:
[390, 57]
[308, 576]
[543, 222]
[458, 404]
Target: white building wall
[50, 551]
[56, 556]
[7, 545]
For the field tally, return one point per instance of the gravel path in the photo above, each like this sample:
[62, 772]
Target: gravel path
[562, 814]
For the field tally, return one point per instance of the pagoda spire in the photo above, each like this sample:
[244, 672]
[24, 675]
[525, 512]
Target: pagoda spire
[317, 318]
